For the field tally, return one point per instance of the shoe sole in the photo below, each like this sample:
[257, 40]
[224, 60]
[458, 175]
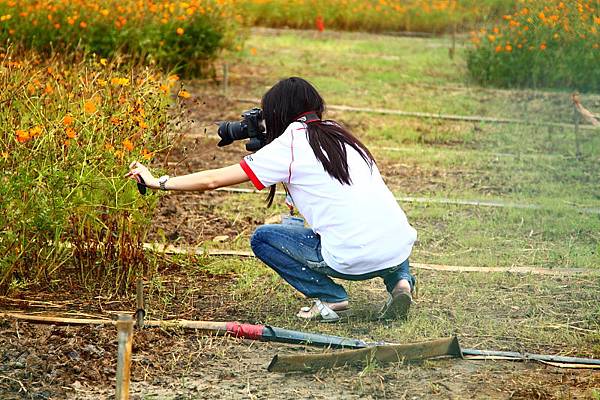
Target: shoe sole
[398, 308]
[344, 315]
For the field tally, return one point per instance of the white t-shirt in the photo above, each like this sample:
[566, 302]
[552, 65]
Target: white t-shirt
[362, 227]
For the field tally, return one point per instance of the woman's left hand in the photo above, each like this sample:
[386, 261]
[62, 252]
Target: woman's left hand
[137, 171]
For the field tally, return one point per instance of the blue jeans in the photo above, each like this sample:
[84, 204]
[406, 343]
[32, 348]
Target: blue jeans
[294, 252]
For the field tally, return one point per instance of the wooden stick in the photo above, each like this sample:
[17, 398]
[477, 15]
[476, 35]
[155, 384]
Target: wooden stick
[210, 326]
[451, 117]
[381, 354]
[576, 120]
[125, 337]
[585, 113]
[429, 200]
[140, 313]
[169, 249]
[226, 79]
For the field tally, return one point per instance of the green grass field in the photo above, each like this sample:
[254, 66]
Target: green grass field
[448, 160]
[443, 161]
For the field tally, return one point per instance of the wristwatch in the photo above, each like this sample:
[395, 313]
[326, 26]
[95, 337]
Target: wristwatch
[162, 181]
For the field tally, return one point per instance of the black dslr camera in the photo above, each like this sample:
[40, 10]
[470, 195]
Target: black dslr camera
[250, 127]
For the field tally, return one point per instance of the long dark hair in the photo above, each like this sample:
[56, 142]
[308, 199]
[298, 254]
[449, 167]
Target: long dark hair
[288, 100]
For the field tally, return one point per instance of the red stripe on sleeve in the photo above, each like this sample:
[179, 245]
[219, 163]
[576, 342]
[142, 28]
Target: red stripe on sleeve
[251, 175]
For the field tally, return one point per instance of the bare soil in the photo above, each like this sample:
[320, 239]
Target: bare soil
[56, 362]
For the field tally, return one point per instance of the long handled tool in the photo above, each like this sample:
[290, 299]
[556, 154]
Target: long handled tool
[359, 350]
[265, 333]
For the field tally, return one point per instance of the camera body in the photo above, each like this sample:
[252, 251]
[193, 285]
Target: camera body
[250, 127]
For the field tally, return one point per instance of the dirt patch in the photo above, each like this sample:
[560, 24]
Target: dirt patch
[50, 362]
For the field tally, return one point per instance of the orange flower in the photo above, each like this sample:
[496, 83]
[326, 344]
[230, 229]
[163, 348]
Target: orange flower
[22, 136]
[35, 131]
[180, 31]
[49, 89]
[127, 145]
[89, 107]
[543, 46]
[67, 120]
[498, 49]
[508, 48]
[115, 120]
[83, 24]
[71, 134]
[147, 155]
[120, 81]
[184, 94]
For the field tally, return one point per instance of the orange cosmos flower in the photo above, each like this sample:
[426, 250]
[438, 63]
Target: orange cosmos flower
[543, 46]
[147, 155]
[67, 120]
[180, 31]
[22, 136]
[48, 89]
[184, 94]
[89, 107]
[127, 145]
[71, 134]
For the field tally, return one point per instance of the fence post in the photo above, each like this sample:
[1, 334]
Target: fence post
[225, 79]
[140, 312]
[576, 120]
[125, 337]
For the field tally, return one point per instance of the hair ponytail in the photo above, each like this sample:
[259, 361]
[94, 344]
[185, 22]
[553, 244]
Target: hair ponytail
[292, 97]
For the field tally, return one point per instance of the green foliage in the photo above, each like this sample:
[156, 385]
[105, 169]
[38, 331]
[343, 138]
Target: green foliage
[70, 129]
[550, 44]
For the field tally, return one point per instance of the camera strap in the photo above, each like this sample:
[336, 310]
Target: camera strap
[309, 116]
[289, 201]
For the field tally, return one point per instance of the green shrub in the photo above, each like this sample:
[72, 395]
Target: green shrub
[184, 35]
[70, 128]
[541, 44]
[434, 16]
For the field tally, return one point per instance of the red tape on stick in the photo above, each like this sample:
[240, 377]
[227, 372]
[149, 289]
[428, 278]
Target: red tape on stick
[246, 331]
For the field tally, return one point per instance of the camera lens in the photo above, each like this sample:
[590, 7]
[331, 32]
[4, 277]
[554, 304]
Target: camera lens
[229, 131]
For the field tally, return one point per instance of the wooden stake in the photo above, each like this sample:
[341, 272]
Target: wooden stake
[576, 119]
[125, 337]
[225, 79]
[452, 48]
[140, 313]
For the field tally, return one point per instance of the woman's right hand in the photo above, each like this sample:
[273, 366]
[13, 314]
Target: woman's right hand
[137, 171]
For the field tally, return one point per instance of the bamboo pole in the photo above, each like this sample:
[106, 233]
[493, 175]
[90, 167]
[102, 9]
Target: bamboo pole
[169, 249]
[450, 117]
[460, 202]
[125, 337]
